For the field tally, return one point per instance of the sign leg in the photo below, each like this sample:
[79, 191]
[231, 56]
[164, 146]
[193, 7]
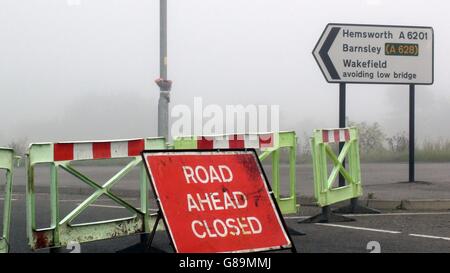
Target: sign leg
[356, 208]
[326, 216]
[342, 123]
[412, 97]
[152, 235]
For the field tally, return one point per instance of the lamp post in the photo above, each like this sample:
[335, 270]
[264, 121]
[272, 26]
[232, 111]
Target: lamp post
[164, 84]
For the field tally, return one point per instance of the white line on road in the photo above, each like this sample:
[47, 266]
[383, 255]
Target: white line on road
[429, 236]
[107, 206]
[13, 199]
[104, 199]
[114, 207]
[380, 214]
[296, 217]
[359, 228]
[399, 214]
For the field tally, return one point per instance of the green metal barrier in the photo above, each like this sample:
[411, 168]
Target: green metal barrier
[6, 163]
[270, 145]
[60, 156]
[324, 191]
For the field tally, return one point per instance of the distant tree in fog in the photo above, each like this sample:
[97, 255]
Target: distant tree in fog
[371, 136]
[19, 145]
[398, 143]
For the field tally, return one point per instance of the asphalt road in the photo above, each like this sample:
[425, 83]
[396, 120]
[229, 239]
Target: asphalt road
[394, 232]
[397, 231]
[383, 181]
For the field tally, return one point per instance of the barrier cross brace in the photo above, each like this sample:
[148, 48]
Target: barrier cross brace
[269, 144]
[6, 163]
[60, 156]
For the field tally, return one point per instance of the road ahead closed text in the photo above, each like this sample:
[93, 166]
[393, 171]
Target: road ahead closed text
[216, 202]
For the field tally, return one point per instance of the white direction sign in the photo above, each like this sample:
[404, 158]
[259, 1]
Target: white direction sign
[350, 53]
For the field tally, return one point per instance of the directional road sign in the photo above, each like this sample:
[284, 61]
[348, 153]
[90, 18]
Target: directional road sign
[348, 53]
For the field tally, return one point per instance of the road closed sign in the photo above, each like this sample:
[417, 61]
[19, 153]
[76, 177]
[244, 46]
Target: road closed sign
[216, 201]
[376, 54]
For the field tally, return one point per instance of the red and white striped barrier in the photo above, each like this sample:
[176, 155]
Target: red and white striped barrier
[47, 152]
[244, 141]
[97, 150]
[335, 135]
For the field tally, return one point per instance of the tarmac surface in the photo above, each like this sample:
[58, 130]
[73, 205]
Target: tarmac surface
[413, 230]
[391, 231]
[382, 181]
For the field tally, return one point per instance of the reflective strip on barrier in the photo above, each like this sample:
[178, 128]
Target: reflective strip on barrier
[335, 135]
[255, 141]
[6, 163]
[325, 191]
[270, 144]
[97, 150]
[60, 155]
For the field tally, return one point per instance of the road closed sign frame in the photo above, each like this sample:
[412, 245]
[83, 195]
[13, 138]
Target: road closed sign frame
[320, 46]
[268, 190]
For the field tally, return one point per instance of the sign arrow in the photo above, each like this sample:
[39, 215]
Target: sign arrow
[324, 53]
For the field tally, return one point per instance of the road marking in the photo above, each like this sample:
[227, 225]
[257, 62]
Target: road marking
[379, 214]
[429, 236]
[296, 217]
[399, 214]
[104, 199]
[360, 228]
[107, 206]
[114, 207]
[12, 199]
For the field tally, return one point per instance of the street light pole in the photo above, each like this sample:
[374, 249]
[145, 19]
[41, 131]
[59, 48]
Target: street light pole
[164, 91]
[164, 84]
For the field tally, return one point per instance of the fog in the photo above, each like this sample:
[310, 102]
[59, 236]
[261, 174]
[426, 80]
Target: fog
[87, 71]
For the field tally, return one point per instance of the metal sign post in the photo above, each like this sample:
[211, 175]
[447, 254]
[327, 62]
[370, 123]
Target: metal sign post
[412, 99]
[377, 54]
[342, 102]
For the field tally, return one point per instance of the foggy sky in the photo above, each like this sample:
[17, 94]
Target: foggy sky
[87, 72]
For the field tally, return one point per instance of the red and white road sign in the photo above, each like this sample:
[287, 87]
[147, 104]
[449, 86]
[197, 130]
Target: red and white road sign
[216, 201]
